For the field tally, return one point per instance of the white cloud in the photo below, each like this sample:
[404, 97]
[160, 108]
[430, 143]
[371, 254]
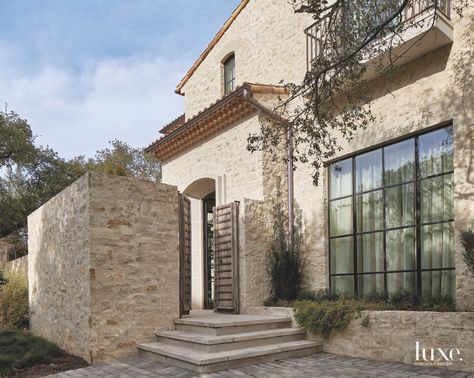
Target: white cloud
[78, 113]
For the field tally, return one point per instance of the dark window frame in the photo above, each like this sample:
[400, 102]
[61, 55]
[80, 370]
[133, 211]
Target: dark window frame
[417, 226]
[229, 82]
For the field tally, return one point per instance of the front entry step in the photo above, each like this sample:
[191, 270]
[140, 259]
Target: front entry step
[207, 342]
[211, 343]
[231, 324]
[205, 362]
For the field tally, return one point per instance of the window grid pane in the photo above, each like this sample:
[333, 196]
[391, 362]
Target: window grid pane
[402, 216]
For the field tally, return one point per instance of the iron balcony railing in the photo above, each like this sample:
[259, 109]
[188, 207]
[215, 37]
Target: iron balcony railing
[316, 32]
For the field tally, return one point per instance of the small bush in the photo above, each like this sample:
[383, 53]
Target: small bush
[376, 296]
[323, 318]
[318, 296]
[285, 263]
[467, 241]
[14, 311]
[324, 312]
[20, 349]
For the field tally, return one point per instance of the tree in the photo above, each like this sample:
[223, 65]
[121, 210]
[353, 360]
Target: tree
[124, 160]
[16, 139]
[333, 101]
[30, 175]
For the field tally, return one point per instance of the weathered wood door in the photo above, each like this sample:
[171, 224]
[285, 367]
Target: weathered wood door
[226, 250]
[184, 254]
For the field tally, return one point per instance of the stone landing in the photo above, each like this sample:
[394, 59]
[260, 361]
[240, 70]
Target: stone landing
[206, 342]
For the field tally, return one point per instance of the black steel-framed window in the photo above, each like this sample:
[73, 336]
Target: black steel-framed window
[391, 217]
[229, 74]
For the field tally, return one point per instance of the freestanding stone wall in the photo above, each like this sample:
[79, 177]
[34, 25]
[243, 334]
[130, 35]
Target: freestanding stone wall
[19, 265]
[104, 265]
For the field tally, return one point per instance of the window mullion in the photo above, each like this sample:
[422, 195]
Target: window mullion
[354, 226]
[384, 223]
[418, 215]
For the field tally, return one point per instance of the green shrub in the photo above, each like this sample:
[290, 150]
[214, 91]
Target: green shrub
[14, 311]
[20, 349]
[405, 300]
[318, 296]
[376, 296]
[467, 241]
[285, 263]
[323, 312]
[323, 318]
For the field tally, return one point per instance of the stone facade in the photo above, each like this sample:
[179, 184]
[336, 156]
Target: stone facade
[432, 90]
[268, 41]
[104, 265]
[269, 45]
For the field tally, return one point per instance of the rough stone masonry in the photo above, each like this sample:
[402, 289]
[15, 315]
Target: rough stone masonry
[104, 265]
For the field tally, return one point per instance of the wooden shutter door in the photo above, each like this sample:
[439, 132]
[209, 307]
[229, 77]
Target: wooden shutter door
[226, 246]
[184, 254]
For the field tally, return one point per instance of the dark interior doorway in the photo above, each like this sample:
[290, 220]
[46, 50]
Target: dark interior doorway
[209, 202]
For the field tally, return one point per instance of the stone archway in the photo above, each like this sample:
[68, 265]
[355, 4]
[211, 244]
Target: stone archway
[199, 192]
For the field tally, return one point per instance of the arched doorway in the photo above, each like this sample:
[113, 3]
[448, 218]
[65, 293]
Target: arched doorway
[202, 194]
[209, 202]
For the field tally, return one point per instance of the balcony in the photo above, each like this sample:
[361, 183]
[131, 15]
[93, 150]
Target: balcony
[428, 28]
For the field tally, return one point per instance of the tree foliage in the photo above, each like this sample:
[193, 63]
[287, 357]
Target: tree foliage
[123, 160]
[333, 101]
[30, 175]
[16, 139]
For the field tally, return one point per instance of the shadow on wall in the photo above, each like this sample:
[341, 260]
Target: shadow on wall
[104, 265]
[58, 274]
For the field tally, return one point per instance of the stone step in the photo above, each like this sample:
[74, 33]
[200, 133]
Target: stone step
[215, 343]
[231, 324]
[205, 362]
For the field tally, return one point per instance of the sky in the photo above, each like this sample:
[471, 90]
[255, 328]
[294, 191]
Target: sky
[86, 72]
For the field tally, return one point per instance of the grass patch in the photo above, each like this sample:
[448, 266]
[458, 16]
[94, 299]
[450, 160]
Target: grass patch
[14, 311]
[20, 349]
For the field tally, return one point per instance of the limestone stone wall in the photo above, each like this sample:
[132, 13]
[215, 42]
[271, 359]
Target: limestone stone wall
[255, 231]
[5, 248]
[224, 158]
[432, 90]
[104, 265]
[19, 265]
[429, 91]
[269, 44]
[392, 336]
[58, 269]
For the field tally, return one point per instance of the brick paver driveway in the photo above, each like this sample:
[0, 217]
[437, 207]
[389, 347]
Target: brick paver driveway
[318, 365]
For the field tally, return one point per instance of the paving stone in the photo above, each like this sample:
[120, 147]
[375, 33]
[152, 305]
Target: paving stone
[319, 365]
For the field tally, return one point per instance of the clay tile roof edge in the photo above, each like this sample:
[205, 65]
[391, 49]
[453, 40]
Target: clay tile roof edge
[173, 124]
[241, 91]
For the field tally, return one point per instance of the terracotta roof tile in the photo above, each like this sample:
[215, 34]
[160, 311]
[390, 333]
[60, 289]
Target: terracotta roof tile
[219, 115]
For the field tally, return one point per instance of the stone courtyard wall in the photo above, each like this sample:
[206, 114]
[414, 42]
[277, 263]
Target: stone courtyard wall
[104, 265]
[19, 265]
[392, 336]
[5, 248]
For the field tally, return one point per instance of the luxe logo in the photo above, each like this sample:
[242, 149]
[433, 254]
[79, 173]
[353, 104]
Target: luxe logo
[436, 356]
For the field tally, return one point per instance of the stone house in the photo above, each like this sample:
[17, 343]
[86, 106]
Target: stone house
[390, 206]
[114, 262]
